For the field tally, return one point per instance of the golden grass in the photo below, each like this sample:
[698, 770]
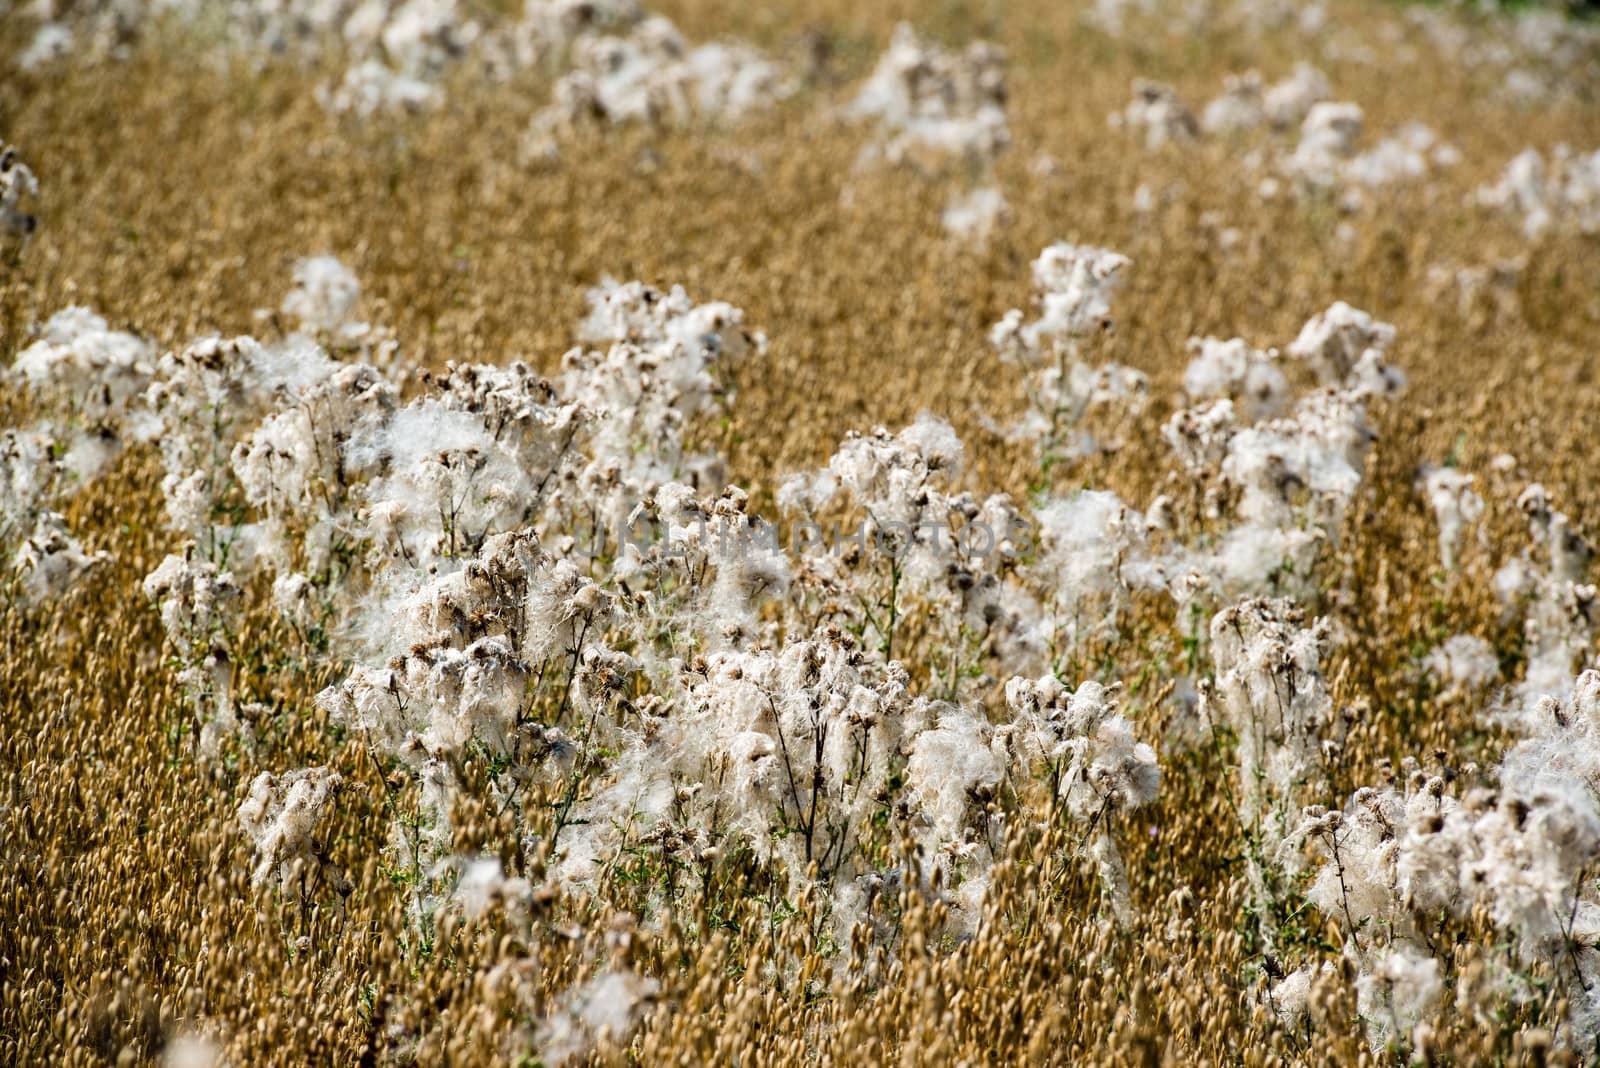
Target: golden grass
[175, 202]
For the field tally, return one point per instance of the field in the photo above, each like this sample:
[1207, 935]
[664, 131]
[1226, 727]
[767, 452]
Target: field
[392, 675]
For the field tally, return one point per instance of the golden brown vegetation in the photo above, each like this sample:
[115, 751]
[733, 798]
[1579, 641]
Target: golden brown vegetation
[177, 199]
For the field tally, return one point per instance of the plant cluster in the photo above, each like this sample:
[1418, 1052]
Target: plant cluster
[505, 703]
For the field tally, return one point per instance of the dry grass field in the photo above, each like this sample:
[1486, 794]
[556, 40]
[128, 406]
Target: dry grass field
[177, 192]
